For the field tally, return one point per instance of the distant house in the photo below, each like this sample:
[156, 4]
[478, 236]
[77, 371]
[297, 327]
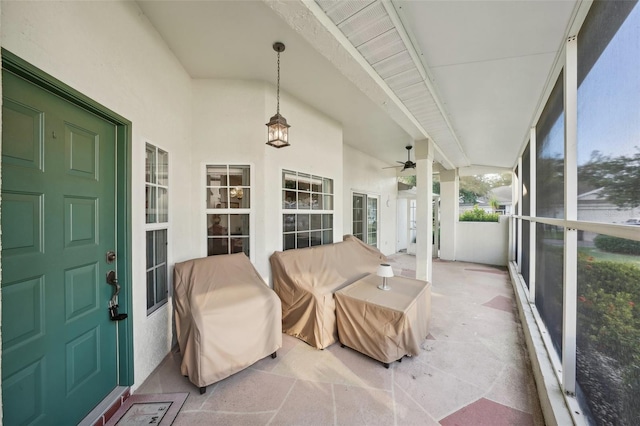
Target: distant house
[593, 206]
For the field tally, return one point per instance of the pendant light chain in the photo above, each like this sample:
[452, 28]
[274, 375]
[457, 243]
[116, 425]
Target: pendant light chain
[278, 91]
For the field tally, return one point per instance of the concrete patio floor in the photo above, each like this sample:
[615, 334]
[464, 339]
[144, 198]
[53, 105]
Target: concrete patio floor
[473, 369]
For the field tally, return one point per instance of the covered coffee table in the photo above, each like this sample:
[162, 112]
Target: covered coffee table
[385, 325]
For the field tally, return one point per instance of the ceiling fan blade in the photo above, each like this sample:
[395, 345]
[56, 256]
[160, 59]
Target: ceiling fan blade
[401, 162]
[391, 167]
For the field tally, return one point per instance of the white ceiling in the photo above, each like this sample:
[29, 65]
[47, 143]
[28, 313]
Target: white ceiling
[480, 66]
[490, 61]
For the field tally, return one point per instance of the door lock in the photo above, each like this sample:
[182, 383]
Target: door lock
[111, 257]
[113, 303]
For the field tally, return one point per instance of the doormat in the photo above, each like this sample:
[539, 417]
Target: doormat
[149, 409]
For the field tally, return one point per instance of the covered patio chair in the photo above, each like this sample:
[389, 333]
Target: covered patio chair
[227, 318]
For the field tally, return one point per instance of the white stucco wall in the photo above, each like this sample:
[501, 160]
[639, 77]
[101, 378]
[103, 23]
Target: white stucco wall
[239, 110]
[365, 174]
[483, 242]
[316, 148]
[110, 52]
[221, 113]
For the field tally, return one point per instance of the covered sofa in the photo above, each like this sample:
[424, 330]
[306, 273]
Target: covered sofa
[305, 280]
[226, 317]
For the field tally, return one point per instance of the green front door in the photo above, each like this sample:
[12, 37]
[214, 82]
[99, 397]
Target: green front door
[59, 348]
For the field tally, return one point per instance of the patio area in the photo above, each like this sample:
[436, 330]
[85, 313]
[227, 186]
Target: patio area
[473, 369]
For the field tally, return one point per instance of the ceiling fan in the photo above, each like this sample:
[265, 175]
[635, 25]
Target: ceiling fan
[406, 164]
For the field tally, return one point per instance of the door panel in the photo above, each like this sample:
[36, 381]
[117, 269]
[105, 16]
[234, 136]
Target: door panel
[58, 200]
[25, 236]
[23, 138]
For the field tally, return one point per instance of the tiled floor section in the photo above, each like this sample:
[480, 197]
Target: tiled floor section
[473, 370]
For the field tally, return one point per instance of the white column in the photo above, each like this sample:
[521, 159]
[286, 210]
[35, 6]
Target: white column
[449, 212]
[424, 209]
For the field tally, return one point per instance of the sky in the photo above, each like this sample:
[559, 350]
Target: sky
[608, 100]
[609, 96]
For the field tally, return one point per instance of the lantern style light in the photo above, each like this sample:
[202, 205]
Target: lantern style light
[277, 127]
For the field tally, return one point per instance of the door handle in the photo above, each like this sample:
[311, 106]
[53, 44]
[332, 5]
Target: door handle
[112, 280]
[113, 302]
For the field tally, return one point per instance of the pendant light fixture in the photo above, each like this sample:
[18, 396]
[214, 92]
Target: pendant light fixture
[277, 127]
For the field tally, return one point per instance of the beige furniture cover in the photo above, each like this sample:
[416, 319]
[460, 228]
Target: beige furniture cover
[226, 317]
[305, 280]
[385, 325]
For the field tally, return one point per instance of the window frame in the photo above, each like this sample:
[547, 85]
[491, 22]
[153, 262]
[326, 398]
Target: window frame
[158, 303]
[155, 227]
[323, 230]
[228, 211]
[156, 186]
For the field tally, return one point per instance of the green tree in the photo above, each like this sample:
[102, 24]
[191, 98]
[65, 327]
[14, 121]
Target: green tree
[468, 196]
[618, 176]
[495, 180]
[411, 180]
[475, 187]
[494, 203]
[471, 187]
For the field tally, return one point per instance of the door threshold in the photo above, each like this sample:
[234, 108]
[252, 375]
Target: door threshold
[107, 408]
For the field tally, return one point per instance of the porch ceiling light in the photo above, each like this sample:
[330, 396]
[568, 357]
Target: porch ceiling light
[277, 127]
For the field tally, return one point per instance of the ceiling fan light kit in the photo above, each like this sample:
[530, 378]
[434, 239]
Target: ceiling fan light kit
[405, 164]
[408, 164]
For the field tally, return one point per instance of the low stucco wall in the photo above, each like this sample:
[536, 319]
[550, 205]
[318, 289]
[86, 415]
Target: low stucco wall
[483, 242]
